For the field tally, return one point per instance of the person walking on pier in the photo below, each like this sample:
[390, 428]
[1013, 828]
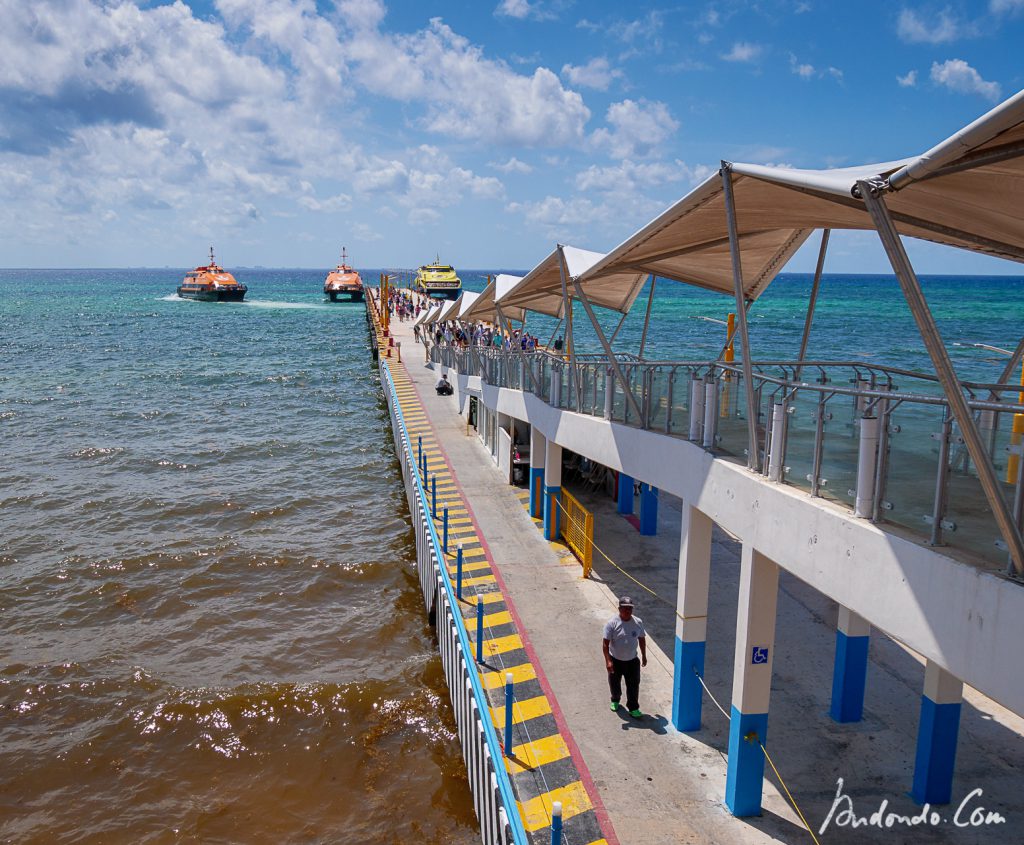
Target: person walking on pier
[622, 635]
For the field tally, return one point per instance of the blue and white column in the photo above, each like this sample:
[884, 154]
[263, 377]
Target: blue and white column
[691, 619]
[752, 681]
[849, 675]
[937, 736]
[625, 499]
[538, 446]
[552, 490]
[648, 510]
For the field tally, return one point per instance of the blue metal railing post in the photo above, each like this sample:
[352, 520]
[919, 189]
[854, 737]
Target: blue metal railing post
[419, 452]
[458, 573]
[508, 714]
[479, 629]
[433, 495]
[444, 530]
[556, 823]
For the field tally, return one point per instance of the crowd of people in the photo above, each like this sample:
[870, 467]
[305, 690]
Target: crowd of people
[405, 304]
[452, 333]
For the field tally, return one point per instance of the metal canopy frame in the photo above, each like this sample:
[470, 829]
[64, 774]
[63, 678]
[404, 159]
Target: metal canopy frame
[912, 292]
[813, 300]
[613, 362]
[647, 318]
[753, 454]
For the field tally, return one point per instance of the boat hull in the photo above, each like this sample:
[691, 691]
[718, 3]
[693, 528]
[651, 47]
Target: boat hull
[345, 295]
[213, 295]
[440, 293]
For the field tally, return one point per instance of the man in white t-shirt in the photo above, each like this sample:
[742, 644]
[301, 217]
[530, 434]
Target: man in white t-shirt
[622, 635]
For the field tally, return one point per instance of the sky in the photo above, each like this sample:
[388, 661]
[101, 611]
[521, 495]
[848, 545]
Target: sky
[483, 131]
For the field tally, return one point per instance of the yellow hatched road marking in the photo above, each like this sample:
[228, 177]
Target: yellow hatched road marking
[469, 567]
[473, 582]
[520, 674]
[499, 645]
[523, 711]
[537, 753]
[536, 812]
[493, 620]
[489, 598]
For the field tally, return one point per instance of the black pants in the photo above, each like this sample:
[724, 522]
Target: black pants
[630, 669]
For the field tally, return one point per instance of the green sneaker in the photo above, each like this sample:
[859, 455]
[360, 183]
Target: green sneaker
[636, 714]
[615, 706]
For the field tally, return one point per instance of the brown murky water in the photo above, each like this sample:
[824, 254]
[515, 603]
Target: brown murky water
[210, 628]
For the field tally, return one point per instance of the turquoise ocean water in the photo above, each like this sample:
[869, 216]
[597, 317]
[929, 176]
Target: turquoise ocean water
[210, 628]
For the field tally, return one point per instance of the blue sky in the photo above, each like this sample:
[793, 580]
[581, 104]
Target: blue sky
[483, 130]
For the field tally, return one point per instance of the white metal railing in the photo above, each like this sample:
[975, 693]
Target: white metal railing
[844, 430]
[493, 796]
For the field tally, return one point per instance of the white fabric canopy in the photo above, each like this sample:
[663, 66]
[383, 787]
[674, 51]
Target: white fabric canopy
[483, 307]
[541, 289]
[428, 315]
[465, 302]
[967, 191]
[448, 311]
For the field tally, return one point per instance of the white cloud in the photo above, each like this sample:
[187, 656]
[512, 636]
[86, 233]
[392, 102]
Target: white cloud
[945, 27]
[908, 81]
[808, 71]
[597, 74]
[521, 10]
[465, 94]
[1002, 7]
[339, 202]
[635, 128]
[513, 165]
[629, 176]
[958, 76]
[743, 51]
[362, 14]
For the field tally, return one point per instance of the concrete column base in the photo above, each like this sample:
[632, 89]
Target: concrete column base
[687, 692]
[849, 678]
[625, 500]
[936, 752]
[648, 510]
[552, 513]
[745, 774]
[537, 492]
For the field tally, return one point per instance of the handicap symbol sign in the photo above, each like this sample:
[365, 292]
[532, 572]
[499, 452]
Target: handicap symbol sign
[759, 655]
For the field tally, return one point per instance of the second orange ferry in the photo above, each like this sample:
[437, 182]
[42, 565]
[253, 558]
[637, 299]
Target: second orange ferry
[343, 283]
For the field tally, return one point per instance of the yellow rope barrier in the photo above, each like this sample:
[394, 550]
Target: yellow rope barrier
[767, 757]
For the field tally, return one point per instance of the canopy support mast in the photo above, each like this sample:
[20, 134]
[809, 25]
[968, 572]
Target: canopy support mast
[753, 454]
[647, 316]
[944, 370]
[630, 398]
[813, 300]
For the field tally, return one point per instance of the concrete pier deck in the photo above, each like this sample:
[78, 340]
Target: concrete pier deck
[657, 785]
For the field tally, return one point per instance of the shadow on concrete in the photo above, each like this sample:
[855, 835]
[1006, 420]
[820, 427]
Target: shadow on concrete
[655, 723]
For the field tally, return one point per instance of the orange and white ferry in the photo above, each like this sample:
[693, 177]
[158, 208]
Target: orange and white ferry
[343, 283]
[211, 284]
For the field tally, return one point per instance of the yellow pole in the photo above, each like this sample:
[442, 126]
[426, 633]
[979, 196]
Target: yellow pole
[730, 355]
[1016, 437]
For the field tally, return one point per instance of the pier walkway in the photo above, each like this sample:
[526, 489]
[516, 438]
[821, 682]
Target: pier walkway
[658, 785]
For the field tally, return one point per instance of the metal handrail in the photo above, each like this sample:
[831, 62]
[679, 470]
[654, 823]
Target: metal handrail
[667, 390]
[483, 702]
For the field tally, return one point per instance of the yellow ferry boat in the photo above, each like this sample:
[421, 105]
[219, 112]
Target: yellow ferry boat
[438, 280]
[211, 283]
[343, 283]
